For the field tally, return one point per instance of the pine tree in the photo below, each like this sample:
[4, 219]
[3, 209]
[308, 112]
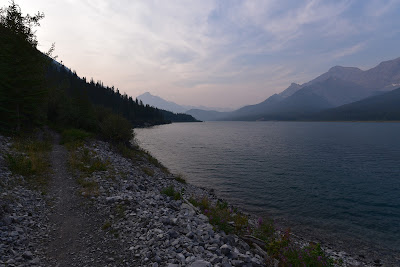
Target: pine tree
[22, 70]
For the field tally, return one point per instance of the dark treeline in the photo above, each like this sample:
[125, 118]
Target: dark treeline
[36, 90]
[69, 83]
[67, 89]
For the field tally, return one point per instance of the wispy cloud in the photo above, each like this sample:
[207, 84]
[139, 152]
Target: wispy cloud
[348, 50]
[378, 8]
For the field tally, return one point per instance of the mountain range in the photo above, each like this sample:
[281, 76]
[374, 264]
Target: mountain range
[338, 87]
[384, 107]
[156, 101]
[330, 96]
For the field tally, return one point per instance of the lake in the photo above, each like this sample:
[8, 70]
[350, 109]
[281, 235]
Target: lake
[338, 183]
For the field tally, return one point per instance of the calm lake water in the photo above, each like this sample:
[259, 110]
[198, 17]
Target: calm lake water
[337, 182]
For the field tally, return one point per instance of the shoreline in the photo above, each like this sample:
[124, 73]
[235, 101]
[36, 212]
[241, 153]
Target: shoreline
[340, 246]
[335, 248]
[335, 251]
[131, 200]
[362, 244]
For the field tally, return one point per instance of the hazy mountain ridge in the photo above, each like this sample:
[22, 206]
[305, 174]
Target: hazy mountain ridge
[207, 115]
[383, 107]
[161, 103]
[377, 78]
[334, 88]
[339, 86]
[293, 88]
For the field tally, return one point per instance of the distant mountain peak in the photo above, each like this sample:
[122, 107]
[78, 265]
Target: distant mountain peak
[338, 86]
[388, 64]
[161, 103]
[293, 88]
[343, 69]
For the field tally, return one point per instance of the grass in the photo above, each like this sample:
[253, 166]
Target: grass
[148, 171]
[19, 164]
[289, 254]
[265, 230]
[222, 217]
[74, 136]
[170, 191]
[89, 187]
[125, 151]
[180, 178]
[86, 162]
[106, 225]
[120, 210]
[135, 153]
[277, 244]
[31, 160]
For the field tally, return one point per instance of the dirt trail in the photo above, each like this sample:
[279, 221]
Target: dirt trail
[76, 238]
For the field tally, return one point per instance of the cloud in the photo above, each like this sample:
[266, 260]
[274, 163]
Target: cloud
[378, 8]
[348, 51]
[178, 49]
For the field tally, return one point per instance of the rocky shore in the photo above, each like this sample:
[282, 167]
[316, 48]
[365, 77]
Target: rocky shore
[123, 220]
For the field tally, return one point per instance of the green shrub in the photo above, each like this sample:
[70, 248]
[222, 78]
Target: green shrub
[32, 157]
[278, 246]
[156, 162]
[116, 128]
[148, 171]
[89, 188]
[180, 178]
[19, 164]
[86, 162]
[264, 230]
[106, 225]
[74, 135]
[120, 210]
[290, 254]
[125, 150]
[311, 255]
[31, 160]
[170, 191]
[203, 204]
[221, 216]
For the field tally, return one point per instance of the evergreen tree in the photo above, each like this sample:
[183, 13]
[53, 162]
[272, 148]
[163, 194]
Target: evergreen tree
[22, 69]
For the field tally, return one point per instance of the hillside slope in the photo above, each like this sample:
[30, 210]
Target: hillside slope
[384, 107]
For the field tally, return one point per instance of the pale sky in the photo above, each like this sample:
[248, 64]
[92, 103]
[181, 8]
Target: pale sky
[225, 53]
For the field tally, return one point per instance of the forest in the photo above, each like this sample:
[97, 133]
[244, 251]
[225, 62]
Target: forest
[36, 90]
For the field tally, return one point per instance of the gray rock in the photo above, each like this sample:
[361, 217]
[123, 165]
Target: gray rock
[27, 255]
[214, 260]
[10, 261]
[181, 257]
[225, 249]
[233, 255]
[203, 217]
[200, 263]
[237, 263]
[173, 234]
[225, 263]
[35, 261]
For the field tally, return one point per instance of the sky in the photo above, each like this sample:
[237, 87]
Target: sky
[225, 53]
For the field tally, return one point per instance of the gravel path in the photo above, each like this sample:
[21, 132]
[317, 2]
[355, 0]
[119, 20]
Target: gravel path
[76, 238]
